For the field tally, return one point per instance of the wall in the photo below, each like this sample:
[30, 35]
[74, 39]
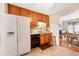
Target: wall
[55, 20]
[64, 25]
[3, 8]
[54, 26]
[2, 11]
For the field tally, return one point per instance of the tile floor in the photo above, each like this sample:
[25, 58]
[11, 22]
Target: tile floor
[52, 51]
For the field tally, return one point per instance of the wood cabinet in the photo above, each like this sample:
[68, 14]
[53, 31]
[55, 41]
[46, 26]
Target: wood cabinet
[39, 15]
[13, 9]
[47, 21]
[24, 12]
[42, 39]
[45, 38]
[35, 17]
[45, 18]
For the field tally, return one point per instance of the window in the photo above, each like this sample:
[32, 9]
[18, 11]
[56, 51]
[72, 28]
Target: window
[73, 28]
[76, 28]
[70, 28]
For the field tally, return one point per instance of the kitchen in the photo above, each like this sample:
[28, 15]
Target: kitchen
[36, 29]
[25, 31]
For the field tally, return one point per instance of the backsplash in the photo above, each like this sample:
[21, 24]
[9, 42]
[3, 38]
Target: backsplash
[38, 30]
[41, 28]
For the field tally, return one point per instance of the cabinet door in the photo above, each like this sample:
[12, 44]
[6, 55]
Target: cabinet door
[39, 17]
[33, 19]
[34, 15]
[43, 18]
[47, 21]
[42, 39]
[24, 12]
[47, 38]
[33, 23]
[13, 9]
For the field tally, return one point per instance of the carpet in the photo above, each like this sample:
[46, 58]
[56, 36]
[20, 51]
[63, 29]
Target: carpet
[45, 46]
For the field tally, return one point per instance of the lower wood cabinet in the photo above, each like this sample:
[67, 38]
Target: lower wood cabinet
[45, 38]
[42, 39]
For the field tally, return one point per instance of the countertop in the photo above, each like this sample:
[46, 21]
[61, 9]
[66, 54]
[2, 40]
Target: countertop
[39, 33]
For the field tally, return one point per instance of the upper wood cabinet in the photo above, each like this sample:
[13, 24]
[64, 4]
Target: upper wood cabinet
[24, 12]
[33, 17]
[33, 14]
[44, 18]
[30, 14]
[39, 15]
[47, 21]
[13, 9]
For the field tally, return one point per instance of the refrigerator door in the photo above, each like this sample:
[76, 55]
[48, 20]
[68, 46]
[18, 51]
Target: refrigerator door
[23, 35]
[9, 41]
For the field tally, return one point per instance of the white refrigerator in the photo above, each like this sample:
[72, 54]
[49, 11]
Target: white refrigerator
[24, 44]
[15, 35]
[9, 35]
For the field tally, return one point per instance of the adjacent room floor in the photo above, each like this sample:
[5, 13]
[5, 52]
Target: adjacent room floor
[52, 51]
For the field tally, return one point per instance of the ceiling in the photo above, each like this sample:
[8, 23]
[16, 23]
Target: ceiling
[39, 7]
[60, 6]
[46, 8]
